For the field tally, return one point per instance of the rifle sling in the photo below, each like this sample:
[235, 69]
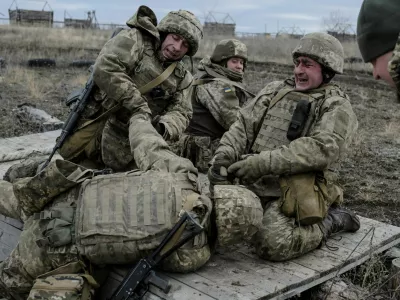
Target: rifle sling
[143, 90]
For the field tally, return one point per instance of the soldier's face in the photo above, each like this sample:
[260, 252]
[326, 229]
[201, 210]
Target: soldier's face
[174, 47]
[235, 64]
[380, 66]
[307, 73]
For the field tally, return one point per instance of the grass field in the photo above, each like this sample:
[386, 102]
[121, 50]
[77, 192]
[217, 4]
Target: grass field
[370, 174]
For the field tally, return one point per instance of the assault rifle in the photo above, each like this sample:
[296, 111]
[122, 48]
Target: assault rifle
[75, 113]
[135, 285]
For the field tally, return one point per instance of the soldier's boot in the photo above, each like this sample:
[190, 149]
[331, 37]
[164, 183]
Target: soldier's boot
[337, 220]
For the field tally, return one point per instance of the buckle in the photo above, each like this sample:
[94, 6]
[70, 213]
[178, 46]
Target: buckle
[42, 242]
[47, 215]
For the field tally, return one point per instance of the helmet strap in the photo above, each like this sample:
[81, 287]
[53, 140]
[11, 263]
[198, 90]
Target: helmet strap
[327, 75]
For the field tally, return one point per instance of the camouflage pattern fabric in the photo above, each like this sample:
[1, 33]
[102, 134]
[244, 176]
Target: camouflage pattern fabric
[238, 214]
[221, 99]
[280, 238]
[127, 62]
[33, 193]
[394, 65]
[9, 205]
[150, 151]
[215, 105]
[26, 168]
[185, 24]
[31, 258]
[324, 48]
[61, 287]
[324, 144]
[329, 136]
[228, 48]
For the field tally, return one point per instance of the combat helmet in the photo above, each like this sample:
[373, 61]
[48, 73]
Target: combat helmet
[323, 48]
[185, 24]
[238, 214]
[228, 48]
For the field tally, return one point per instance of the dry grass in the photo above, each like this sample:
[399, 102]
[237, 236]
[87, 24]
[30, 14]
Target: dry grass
[66, 44]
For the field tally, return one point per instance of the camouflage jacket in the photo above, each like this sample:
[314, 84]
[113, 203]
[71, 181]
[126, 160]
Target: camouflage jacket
[221, 99]
[326, 141]
[394, 65]
[129, 61]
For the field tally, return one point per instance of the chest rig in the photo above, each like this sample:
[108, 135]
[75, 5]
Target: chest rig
[274, 127]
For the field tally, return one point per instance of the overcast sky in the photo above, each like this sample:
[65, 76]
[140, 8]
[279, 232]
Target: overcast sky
[249, 15]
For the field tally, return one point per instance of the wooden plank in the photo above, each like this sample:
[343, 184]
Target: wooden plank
[179, 291]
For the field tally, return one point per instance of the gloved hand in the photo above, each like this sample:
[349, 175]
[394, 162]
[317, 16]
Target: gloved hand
[252, 168]
[216, 178]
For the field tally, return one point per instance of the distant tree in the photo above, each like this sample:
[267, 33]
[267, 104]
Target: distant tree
[337, 22]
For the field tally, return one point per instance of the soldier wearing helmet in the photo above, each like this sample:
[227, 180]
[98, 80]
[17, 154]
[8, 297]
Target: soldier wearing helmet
[216, 95]
[285, 147]
[378, 29]
[139, 78]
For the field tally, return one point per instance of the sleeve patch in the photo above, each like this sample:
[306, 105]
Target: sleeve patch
[227, 90]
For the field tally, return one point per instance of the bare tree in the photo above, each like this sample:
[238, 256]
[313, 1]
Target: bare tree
[337, 22]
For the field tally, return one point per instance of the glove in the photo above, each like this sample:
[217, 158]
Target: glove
[251, 169]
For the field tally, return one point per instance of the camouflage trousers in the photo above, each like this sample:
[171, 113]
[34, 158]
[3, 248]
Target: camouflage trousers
[281, 238]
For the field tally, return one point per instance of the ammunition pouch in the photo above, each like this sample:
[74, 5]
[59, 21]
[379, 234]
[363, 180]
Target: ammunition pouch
[307, 196]
[299, 120]
[61, 284]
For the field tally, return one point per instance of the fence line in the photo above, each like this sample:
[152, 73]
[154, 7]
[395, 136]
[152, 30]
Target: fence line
[61, 24]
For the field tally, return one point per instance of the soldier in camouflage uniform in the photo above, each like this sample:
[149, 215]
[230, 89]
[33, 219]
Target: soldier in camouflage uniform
[126, 64]
[259, 147]
[378, 38]
[216, 95]
[72, 220]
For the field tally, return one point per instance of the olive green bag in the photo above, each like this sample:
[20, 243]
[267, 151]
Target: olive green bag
[306, 197]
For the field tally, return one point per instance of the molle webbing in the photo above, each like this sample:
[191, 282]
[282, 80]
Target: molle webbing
[274, 126]
[123, 207]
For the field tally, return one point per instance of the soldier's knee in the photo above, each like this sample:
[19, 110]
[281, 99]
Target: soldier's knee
[187, 260]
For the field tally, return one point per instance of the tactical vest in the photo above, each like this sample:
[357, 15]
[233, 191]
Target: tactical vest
[117, 218]
[274, 127]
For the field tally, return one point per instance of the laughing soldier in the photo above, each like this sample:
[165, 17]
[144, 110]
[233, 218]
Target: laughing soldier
[286, 145]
